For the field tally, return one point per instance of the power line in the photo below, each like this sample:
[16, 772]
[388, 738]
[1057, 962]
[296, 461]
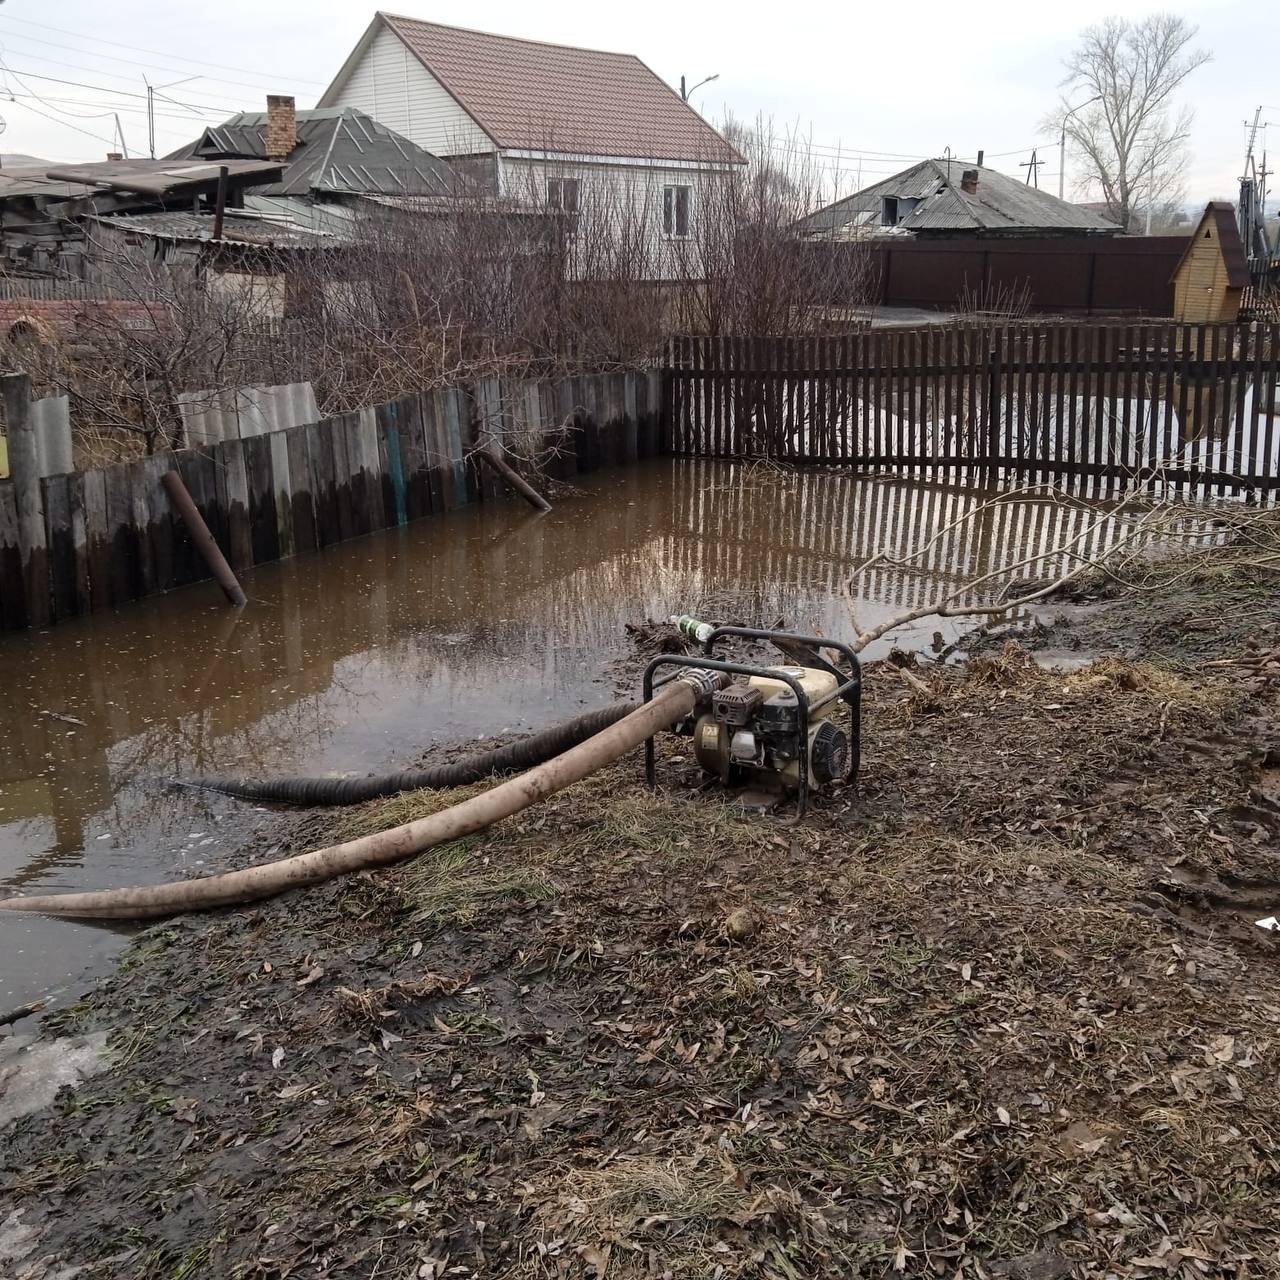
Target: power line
[112, 75]
[11, 95]
[177, 57]
[26, 106]
[123, 93]
[9, 71]
[112, 57]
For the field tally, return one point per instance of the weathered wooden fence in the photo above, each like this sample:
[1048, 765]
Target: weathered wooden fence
[1104, 406]
[110, 536]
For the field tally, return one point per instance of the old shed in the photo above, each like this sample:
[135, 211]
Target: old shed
[1211, 278]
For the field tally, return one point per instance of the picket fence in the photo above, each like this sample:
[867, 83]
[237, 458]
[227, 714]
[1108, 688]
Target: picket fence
[1102, 406]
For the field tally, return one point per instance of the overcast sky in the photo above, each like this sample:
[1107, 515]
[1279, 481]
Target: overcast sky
[880, 84]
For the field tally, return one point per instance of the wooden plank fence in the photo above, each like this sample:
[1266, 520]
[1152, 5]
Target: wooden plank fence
[1101, 406]
[111, 538]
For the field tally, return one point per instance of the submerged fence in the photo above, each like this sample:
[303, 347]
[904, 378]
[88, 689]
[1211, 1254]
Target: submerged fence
[1101, 406]
[109, 535]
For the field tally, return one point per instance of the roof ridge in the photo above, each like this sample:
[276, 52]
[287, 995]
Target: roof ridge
[498, 35]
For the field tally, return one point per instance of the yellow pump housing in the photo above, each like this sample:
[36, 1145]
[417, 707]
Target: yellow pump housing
[754, 747]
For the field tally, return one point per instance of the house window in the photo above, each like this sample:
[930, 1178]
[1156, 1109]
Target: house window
[562, 194]
[889, 212]
[675, 211]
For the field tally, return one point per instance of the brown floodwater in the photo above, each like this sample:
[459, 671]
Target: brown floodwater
[489, 619]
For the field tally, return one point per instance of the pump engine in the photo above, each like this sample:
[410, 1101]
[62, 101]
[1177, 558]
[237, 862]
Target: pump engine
[774, 727]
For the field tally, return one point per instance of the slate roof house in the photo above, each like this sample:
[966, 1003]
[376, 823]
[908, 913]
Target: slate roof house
[48, 212]
[940, 198]
[559, 126]
[335, 161]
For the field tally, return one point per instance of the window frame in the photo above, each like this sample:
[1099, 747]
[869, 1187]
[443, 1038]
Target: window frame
[560, 188]
[672, 193]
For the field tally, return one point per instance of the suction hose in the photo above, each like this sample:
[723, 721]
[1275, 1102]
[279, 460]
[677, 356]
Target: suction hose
[524, 754]
[232, 888]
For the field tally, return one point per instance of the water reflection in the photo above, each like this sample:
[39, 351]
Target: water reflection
[358, 658]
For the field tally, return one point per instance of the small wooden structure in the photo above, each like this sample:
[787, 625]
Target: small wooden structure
[1211, 278]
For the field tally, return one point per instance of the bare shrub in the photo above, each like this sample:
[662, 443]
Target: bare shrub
[572, 269]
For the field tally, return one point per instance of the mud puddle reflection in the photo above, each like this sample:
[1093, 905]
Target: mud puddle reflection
[481, 621]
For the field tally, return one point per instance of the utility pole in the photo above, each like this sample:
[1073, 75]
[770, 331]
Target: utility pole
[1032, 167]
[1252, 210]
[1062, 141]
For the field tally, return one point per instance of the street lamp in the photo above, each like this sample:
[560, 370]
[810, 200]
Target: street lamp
[686, 93]
[1062, 140]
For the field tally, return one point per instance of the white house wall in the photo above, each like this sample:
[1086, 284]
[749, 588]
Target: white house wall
[634, 187]
[392, 86]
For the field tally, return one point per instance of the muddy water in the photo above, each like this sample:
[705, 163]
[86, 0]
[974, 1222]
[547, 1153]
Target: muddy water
[485, 620]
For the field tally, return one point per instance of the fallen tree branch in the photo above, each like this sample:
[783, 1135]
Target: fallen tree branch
[22, 1011]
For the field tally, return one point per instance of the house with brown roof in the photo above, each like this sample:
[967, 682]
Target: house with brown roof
[568, 128]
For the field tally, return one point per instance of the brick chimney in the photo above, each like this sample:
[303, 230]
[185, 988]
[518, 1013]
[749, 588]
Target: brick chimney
[282, 126]
[115, 155]
[969, 182]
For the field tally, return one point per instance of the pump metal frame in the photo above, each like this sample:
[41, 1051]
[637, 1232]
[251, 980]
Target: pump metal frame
[849, 691]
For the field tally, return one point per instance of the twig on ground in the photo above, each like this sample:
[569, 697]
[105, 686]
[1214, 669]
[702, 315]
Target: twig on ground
[22, 1011]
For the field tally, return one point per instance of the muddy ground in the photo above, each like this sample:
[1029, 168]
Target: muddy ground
[1001, 1011]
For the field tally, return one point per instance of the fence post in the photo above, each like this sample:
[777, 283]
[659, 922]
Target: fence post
[24, 468]
[993, 402]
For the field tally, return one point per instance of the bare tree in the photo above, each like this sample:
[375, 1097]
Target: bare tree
[1130, 138]
[745, 271]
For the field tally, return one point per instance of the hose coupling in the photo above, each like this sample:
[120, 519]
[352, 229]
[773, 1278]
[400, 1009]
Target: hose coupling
[704, 682]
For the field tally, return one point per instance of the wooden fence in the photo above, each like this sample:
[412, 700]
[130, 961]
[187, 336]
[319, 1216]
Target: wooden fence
[1100, 406]
[110, 536]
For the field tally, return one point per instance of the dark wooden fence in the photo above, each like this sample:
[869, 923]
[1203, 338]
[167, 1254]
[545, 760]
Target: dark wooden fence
[1103, 405]
[110, 536]
[1118, 275]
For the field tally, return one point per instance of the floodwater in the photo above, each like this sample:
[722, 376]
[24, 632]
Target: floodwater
[485, 620]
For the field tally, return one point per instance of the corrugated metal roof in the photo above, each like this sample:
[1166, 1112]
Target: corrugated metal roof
[529, 95]
[237, 229]
[1000, 203]
[339, 149]
[159, 177]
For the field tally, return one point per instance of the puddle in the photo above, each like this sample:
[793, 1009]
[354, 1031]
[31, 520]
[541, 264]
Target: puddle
[33, 1071]
[1063, 661]
[485, 620]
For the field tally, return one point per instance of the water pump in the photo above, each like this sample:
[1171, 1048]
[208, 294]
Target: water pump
[776, 729]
